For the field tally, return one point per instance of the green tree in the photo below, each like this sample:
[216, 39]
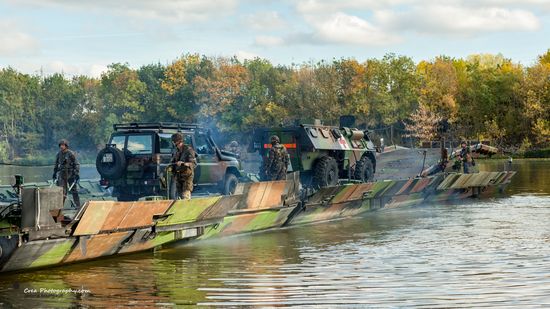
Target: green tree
[156, 99]
[489, 100]
[56, 109]
[88, 115]
[536, 92]
[18, 108]
[180, 81]
[121, 92]
[264, 96]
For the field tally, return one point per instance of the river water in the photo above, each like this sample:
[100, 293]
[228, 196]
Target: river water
[40, 173]
[470, 254]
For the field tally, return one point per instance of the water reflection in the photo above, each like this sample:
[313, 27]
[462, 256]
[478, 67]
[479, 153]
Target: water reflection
[532, 175]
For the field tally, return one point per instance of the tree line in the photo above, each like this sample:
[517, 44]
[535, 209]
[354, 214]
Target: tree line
[484, 97]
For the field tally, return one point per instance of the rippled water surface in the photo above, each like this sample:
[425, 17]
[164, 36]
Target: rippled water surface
[471, 254]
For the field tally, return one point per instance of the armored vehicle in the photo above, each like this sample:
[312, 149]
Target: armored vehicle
[134, 161]
[323, 154]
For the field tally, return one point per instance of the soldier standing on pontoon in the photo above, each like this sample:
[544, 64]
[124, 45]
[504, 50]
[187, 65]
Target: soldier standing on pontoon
[66, 171]
[278, 160]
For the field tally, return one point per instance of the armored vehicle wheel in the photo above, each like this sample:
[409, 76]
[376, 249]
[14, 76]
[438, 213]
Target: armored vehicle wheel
[230, 184]
[364, 170]
[110, 162]
[326, 172]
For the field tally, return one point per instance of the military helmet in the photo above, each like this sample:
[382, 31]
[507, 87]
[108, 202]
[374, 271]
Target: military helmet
[63, 142]
[177, 137]
[234, 144]
[275, 139]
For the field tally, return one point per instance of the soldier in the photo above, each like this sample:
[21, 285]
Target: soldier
[465, 156]
[234, 148]
[67, 171]
[277, 162]
[184, 166]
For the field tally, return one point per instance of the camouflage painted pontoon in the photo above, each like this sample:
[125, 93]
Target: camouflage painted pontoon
[43, 237]
[352, 200]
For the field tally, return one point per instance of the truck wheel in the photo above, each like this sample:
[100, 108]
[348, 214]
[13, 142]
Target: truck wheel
[230, 184]
[326, 172]
[364, 170]
[110, 163]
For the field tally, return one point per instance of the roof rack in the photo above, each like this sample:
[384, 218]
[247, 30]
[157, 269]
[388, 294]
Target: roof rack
[155, 126]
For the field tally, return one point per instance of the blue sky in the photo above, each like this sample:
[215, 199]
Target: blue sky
[83, 37]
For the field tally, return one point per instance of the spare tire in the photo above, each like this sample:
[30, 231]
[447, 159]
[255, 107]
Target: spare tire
[110, 162]
[326, 172]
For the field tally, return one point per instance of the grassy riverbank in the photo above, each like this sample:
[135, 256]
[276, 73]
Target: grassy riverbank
[542, 153]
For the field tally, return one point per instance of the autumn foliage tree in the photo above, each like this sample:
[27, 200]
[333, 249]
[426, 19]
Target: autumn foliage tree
[219, 95]
[484, 96]
[423, 124]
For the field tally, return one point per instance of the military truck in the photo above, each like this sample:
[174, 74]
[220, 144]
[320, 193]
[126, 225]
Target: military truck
[134, 161]
[323, 154]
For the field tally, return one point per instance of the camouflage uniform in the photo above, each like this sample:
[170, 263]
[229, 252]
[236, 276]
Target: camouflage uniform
[234, 148]
[277, 162]
[466, 157]
[67, 172]
[183, 175]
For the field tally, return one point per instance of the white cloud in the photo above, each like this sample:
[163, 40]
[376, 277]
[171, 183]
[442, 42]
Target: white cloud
[459, 20]
[268, 41]
[92, 70]
[265, 21]
[331, 6]
[540, 4]
[343, 28]
[338, 28]
[95, 70]
[58, 66]
[15, 42]
[373, 22]
[185, 11]
[244, 55]
[331, 24]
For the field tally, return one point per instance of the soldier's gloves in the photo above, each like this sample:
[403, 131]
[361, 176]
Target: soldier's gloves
[76, 178]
